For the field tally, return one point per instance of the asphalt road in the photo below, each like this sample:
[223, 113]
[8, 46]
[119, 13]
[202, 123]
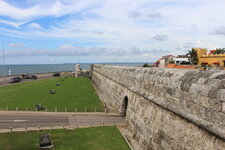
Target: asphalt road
[20, 121]
[6, 81]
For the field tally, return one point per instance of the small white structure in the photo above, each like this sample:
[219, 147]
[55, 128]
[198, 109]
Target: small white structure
[10, 72]
[162, 63]
[81, 73]
[178, 60]
[77, 67]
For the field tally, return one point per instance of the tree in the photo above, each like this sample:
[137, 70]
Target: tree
[219, 51]
[146, 65]
[193, 56]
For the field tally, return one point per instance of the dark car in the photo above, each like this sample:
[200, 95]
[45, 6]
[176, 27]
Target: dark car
[33, 77]
[15, 79]
[56, 74]
[24, 76]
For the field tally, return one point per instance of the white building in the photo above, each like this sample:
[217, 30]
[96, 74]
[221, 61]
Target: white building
[178, 61]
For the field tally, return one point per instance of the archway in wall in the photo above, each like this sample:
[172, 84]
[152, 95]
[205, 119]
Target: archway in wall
[124, 107]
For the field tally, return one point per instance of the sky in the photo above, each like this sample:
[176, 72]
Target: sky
[88, 31]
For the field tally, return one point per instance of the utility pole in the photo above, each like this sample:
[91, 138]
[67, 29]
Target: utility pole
[78, 59]
[3, 59]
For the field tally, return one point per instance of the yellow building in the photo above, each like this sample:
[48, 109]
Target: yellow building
[213, 60]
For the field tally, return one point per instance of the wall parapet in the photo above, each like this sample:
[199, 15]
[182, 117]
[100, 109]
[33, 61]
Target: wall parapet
[198, 96]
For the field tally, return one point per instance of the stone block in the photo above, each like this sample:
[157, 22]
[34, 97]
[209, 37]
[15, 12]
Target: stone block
[223, 107]
[165, 145]
[221, 95]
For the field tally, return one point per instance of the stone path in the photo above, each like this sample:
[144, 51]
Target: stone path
[21, 120]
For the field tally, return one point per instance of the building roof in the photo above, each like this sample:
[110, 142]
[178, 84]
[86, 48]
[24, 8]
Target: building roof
[165, 57]
[180, 66]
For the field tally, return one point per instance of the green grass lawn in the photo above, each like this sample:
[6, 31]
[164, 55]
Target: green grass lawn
[97, 138]
[73, 92]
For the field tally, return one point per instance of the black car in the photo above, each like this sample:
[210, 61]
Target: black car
[24, 76]
[15, 79]
[33, 77]
[56, 74]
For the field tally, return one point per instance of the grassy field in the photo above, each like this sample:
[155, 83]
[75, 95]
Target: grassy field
[73, 92]
[97, 138]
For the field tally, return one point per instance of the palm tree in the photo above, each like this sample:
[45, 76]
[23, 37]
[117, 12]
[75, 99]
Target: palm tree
[193, 56]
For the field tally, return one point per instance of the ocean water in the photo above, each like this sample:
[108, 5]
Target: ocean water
[32, 69]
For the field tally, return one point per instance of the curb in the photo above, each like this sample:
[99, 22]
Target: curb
[58, 113]
[128, 143]
[68, 127]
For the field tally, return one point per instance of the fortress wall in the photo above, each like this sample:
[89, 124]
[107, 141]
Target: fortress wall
[167, 108]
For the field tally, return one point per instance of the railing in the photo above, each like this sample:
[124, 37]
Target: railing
[213, 55]
[55, 109]
[62, 126]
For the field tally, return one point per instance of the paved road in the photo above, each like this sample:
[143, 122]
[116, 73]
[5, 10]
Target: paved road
[95, 120]
[19, 121]
[40, 77]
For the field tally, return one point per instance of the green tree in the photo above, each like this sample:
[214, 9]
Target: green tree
[193, 56]
[219, 51]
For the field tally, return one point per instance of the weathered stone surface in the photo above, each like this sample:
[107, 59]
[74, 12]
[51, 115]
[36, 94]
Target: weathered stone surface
[221, 95]
[167, 108]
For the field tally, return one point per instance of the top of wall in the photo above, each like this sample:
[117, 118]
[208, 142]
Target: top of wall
[206, 83]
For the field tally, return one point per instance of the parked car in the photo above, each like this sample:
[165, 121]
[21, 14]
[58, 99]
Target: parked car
[15, 79]
[24, 76]
[56, 74]
[33, 77]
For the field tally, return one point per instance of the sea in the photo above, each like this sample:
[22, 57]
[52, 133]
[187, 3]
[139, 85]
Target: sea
[7, 70]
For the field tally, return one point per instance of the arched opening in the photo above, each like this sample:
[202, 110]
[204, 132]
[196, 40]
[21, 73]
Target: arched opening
[124, 107]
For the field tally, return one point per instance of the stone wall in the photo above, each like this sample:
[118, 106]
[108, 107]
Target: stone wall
[83, 73]
[167, 108]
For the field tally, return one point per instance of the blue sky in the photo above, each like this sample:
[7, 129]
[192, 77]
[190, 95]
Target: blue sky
[59, 31]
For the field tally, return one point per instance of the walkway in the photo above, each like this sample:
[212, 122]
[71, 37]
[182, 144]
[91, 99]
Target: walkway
[21, 120]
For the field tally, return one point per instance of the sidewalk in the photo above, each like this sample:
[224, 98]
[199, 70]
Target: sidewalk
[59, 113]
[69, 127]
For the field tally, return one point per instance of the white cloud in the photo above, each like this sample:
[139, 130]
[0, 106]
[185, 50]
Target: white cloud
[16, 45]
[219, 31]
[70, 50]
[34, 25]
[12, 23]
[160, 37]
[120, 25]
[41, 9]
